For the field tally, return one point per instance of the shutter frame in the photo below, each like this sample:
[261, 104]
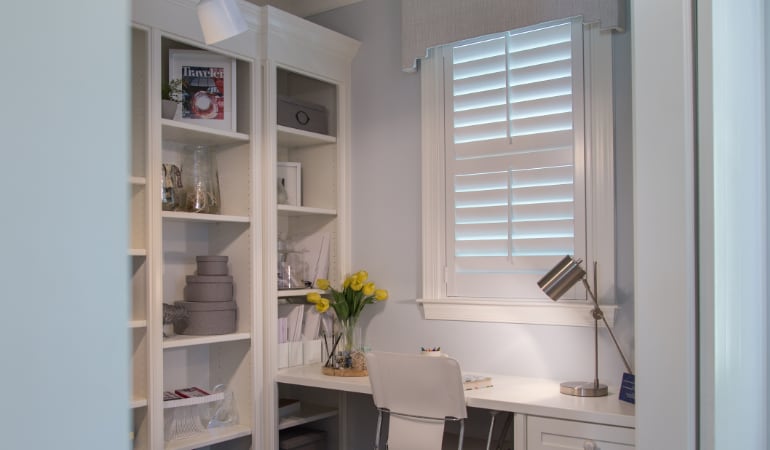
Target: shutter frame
[600, 193]
[507, 264]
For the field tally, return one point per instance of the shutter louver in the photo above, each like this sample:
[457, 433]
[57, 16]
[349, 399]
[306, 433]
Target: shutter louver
[511, 162]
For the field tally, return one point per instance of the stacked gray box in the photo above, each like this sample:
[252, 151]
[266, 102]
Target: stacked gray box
[208, 299]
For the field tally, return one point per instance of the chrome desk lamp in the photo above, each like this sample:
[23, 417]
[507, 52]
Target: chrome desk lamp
[556, 283]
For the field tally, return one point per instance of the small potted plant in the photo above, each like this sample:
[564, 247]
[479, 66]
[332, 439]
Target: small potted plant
[172, 96]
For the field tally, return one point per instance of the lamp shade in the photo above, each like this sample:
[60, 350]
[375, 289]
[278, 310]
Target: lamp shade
[220, 19]
[562, 277]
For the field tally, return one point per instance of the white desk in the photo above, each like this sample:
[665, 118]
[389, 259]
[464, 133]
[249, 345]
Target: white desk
[521, 395]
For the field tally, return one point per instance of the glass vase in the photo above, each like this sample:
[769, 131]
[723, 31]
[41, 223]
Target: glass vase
[350, 332]
[200, 180]
[349, 354]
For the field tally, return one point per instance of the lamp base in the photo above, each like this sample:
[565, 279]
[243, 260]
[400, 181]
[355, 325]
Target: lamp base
[583, 389]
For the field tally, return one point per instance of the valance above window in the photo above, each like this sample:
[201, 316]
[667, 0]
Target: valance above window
[428, 23]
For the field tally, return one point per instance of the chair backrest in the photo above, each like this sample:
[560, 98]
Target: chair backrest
[416, 389]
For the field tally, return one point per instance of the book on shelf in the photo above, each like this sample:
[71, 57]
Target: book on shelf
[288, 407]
[471, 381]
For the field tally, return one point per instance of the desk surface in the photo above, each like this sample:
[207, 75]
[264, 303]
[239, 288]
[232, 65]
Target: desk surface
[533, 396]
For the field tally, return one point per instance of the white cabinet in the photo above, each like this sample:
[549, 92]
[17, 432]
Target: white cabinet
[210, 360]
[320, 209]
[310, 65]
[550, 434]
[279, 55]
[139, 237]
[164, 244]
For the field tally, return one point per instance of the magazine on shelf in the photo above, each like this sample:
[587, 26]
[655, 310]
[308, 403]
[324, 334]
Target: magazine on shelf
[208, 87]
[203, 89]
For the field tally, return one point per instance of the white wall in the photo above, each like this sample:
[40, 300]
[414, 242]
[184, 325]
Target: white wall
[63, 236]
[386, 221]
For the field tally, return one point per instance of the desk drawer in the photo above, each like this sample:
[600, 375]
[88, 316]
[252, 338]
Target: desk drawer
[551, 434]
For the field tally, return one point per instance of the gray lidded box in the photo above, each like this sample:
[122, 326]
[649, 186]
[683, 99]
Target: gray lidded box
[211, 265]
[207, 318]
[209, 288]
[302, 115]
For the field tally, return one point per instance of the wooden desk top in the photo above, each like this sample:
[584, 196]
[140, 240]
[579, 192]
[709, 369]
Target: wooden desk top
[533, 396]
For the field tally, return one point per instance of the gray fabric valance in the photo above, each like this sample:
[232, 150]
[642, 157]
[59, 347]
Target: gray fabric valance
[428, 23]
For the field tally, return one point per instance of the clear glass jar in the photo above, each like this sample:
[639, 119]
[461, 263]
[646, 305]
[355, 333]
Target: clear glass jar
[200, 180]
[171, 182]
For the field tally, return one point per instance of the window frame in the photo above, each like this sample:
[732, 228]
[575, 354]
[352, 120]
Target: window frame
[600, 198]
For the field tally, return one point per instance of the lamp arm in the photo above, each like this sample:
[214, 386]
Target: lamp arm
[600, 313]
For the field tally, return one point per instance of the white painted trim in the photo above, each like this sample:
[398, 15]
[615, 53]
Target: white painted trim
[282, 25]
[304, 8]
[269, 259]
[664, 223]
[706, 373]
[432, 180]
[534, 312]
[600, 159]
[600, 195]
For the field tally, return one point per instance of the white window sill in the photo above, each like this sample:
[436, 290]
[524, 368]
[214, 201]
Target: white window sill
[537, 313]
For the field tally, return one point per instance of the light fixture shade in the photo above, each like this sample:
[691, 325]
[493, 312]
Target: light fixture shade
[220, 19]
[562, 277]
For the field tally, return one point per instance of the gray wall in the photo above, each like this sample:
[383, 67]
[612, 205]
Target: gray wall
[386, 219]
[63, 232]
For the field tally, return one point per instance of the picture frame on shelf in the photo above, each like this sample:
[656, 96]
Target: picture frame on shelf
[289, 183]
[208, 87]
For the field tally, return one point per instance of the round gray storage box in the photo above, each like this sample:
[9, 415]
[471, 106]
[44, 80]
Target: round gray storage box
[206, 318]
[209, 288]
[211, 265]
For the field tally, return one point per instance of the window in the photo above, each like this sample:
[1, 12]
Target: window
[507, 180]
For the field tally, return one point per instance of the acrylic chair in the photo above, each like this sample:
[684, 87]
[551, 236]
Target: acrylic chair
[419, 394]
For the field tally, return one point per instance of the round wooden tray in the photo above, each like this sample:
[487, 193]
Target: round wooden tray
[344, 372]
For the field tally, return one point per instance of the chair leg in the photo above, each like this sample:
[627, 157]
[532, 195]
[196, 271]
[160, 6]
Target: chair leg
[462, 435]
[504, 431]
[491, 428]
[377, 433]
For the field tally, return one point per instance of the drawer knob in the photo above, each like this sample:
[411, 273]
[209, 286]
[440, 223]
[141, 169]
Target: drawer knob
[589, 445]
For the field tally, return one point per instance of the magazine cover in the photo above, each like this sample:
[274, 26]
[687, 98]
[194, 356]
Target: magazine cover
[208, 87]
[204, 92]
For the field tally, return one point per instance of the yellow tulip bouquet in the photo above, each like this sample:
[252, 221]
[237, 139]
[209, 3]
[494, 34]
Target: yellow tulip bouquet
[357, 292]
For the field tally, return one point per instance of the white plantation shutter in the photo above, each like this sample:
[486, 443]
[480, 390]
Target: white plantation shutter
[514, 142]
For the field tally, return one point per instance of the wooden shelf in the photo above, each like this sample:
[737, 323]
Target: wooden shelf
[307, 413]
[188, 133]
[137, 181]
[168, 404]
[294, 211]
[138, 402]
[179, 341]
[135, 324]
[292, 137]
[137, 252]
[283, 293]
[198, 217]
[209, 437]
